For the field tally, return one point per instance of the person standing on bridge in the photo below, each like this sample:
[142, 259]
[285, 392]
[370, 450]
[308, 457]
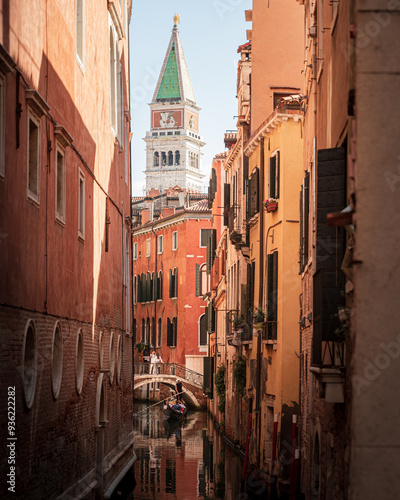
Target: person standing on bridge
[178, 389]
[153, 358]
[157, 362]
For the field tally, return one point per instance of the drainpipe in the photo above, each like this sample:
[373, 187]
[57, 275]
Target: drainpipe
[260, 300]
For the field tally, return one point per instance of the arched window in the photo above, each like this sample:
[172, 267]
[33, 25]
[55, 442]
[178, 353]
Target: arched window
[153, 286]
[112, 357]
[197, 161]
[79, 362]
[156, 159]
[29, 364]
[159, 286]
[159, 332]
[204, 280]
[170, 158]
[202, 331]
[177, 157]
[173, 283]
[163, 158]
[143, 331]
[57, 361]
[147, 331]
[153, 332]
[148, 287]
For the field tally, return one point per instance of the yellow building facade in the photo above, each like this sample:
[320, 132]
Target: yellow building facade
[275, 153]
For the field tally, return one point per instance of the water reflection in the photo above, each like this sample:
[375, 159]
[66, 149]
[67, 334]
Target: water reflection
[180, 460]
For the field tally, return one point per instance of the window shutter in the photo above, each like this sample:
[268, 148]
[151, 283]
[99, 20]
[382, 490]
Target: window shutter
[278, 172]
[208, 370]
[174, 331]
[143, 282]
[148, 288]
[272, 177]
[227, 203]
[168, 332]
[306, 195]
[212, 318]
[209, 265]
[254, 179]
[171, 284]
[245, 171]
[301, 250]
[206, 319]
[272, 288]
[139, 289]
[176, 283]
[198, 281]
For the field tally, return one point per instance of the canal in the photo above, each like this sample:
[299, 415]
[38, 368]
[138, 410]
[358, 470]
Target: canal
[180, 461]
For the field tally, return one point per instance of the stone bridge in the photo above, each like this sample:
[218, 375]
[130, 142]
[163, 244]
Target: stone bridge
[168, 374]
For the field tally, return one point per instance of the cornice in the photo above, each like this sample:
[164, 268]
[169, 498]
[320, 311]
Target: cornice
[172, 220]
[269, 125]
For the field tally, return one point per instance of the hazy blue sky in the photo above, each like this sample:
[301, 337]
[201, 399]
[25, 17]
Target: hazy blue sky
[210, 31]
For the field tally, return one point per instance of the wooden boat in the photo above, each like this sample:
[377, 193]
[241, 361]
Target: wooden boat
[171, 413]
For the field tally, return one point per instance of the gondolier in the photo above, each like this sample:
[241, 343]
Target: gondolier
[178, 389]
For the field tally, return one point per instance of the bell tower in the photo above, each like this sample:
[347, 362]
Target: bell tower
[173, 144]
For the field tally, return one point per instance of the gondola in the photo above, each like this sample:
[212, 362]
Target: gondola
[172, 414]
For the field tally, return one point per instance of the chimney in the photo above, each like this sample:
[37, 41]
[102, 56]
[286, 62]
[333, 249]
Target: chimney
[167, 211]
[146, 215]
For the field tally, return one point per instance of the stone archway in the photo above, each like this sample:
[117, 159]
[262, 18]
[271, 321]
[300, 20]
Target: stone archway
[188, 396]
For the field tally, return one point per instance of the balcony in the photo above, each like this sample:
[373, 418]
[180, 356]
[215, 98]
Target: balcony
[328, 344]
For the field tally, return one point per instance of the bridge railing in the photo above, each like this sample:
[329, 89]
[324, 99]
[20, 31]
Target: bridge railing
[173, 369]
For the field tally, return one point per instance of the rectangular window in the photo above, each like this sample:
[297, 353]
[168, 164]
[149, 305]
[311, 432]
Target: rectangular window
[2, 122]
[204, 237]
[81, 206]
[175, 240]
[272, 291]
[135, 252]
[148, 247]
[60, 184]
[80, 31]
[33, 157]
[274, 174]
[160, 244]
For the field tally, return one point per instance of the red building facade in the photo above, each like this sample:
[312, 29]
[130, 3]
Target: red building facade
[169, 280]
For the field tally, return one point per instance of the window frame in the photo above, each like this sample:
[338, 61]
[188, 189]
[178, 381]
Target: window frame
[135, 251]
[160, 244]
[81, 204]
[32, 196]
[80, 34]
[148, 247]
[174, 241]
[59, 150]
[275, 192]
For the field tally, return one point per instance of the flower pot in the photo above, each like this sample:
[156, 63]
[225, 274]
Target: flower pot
[272, 207]
[258, 326]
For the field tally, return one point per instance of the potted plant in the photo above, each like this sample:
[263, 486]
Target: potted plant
[258, 318]
[271, 204]
[235, 236]
[238, 323]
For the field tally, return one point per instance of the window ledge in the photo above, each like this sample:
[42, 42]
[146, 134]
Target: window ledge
[32, 198]
[81, 238]
[60, 221]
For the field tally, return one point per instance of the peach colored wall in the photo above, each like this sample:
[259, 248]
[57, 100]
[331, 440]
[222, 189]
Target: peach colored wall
[277, 54]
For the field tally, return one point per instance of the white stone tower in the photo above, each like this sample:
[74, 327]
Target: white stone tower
[173, 144]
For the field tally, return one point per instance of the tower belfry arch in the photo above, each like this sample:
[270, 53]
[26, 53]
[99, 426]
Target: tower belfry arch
[173, 143]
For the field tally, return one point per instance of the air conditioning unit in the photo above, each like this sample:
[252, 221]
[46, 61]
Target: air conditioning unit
[312, 32]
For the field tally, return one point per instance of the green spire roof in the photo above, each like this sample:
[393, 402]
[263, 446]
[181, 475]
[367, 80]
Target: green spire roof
[169, 88]
[174, 83]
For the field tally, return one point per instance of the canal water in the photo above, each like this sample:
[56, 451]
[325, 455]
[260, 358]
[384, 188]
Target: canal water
[180, 461]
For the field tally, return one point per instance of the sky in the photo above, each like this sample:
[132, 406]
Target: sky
[210, 32]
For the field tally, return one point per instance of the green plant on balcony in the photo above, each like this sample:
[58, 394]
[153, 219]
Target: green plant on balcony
[239, 376]
[141, 346]
[238, 322]
[258, 317]
[220, 387]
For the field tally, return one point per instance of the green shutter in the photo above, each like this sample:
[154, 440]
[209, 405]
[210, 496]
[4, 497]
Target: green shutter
[198, 281]
[209, 264]
[272, 177]
[278, 169]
